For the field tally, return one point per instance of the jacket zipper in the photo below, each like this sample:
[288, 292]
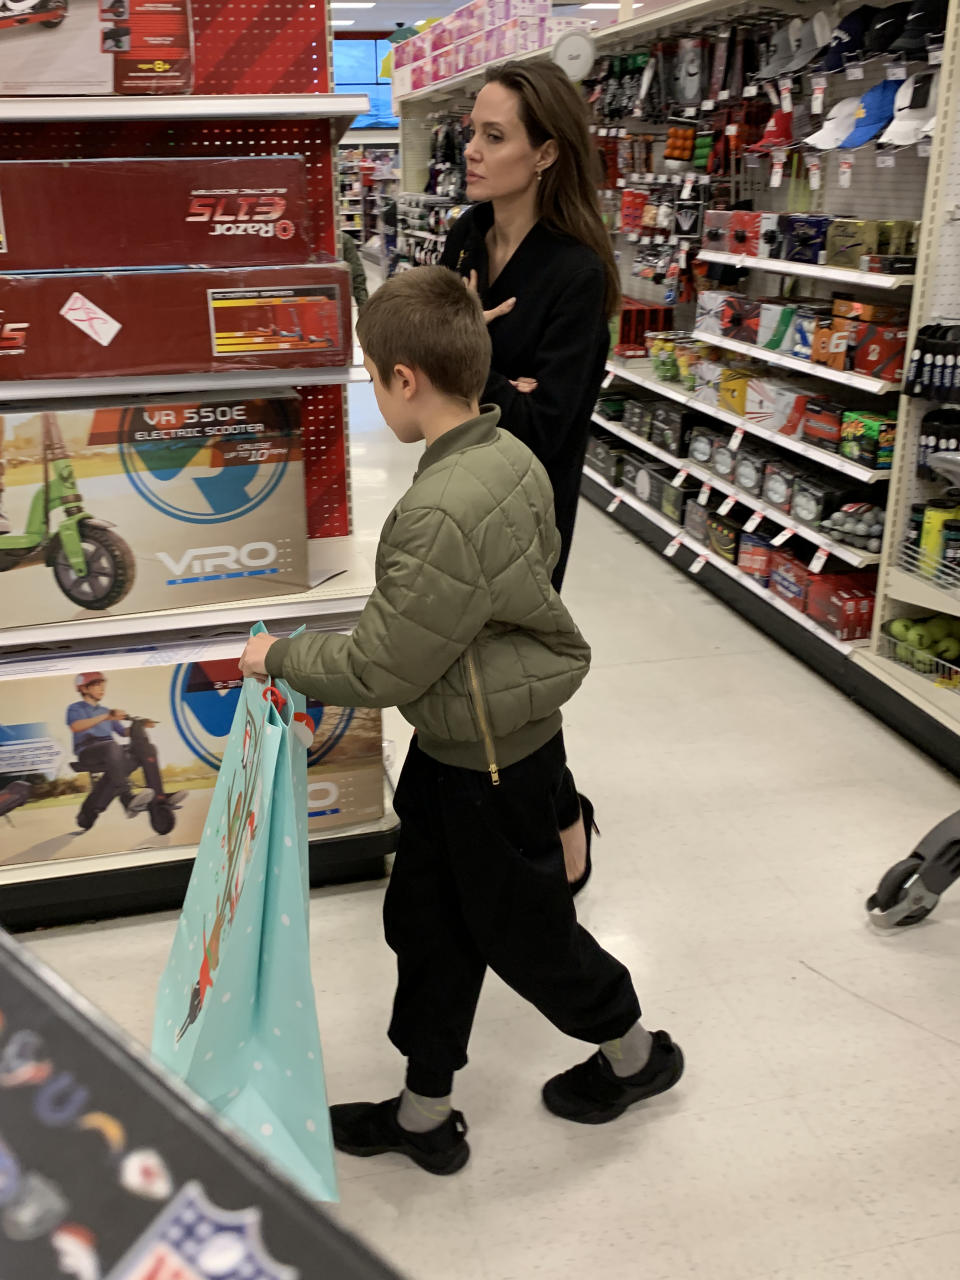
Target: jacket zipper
[480, 708]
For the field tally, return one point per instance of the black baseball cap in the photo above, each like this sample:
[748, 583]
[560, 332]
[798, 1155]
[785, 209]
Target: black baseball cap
[926, 18]
[848, 37]
[886, 27]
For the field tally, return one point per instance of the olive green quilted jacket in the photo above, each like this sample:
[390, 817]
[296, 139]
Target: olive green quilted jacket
[463, 631]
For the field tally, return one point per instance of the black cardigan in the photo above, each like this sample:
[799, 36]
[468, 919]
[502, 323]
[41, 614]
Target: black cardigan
[557, 333]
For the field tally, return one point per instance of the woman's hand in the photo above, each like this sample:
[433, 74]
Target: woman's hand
[494, 313]
[254, 656]
[524, 385]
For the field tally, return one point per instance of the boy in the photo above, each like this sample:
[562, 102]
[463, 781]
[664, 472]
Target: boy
[466, 635]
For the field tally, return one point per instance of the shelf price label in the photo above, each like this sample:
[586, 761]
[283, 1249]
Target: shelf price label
[671, 549]
[607, 380]
[727, 505]
[708, 104]
[819, 560]
[687, 189]
[679, 478]
[703, 497]
[776, 170]
[819, 89]
[754, 520]
[846, 172]
[923, 150]
[854, 71]
[736, 440]
[781, 537]
[786, 94]
[886, 160]
[813, 169]
[750, 91]
[614, 503]
[698, 564]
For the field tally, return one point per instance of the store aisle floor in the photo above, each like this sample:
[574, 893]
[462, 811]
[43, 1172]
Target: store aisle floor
[747, 810]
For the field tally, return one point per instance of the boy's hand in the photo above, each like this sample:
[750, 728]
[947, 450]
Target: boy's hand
[495, 312]
[254, 657]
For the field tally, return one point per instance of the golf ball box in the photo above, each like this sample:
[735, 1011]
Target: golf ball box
[754, 557]
[695, 522]
[182, 502]
[723, 536]
[604, 456]
[650, 482]
[749, 469]
[81, 215]
[779, 478]
[54, 47]
[183, 698]
[674, 498]
[868, 438]
[670, 427]
[74, 324]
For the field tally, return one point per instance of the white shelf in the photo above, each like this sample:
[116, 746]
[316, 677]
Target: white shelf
[723, 565]
[640, 373]
[843, 552]
[911, 588]
[159, 383]
[778, 266]
[934, 699]
[858, 381]
[340, 107]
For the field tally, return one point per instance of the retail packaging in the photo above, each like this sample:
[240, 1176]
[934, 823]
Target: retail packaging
[702, 443]
[723, 459]
[749, 469]
[891, 264]
[804, 236]
[54, 47]
[695, 518]
[728, 315]
[129, 506]
[790, 579]
[743, 235]
[848, 239]
[868, 438]
[842, 604]
[71, 325]
[420, 74]
[778, 481]
[716, 230]
[815, 499]
[670, 427]
[733, 391]
[723, 536]
[177, 705]
[443, 64]
[755, 556]
[439, 36]
[471, 52]
[777, 327]
[878, 350]
[603, 455]
[499, 11]
[822, 422]
[103, 214]
[875, 312]
[674, 498]
[631, 464]
[775, 406]
[805, 323]
[709, 374]
[771, 237]
[650, 482]
[557, 27]
[831, 341]
[898, 237]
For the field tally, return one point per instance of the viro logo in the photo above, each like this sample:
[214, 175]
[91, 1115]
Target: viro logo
[204, 564]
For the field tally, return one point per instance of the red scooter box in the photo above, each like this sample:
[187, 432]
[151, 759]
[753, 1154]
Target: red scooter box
[103, 214]
[75, 324]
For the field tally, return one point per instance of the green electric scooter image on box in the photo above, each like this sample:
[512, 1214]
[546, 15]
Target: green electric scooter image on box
[92, 565]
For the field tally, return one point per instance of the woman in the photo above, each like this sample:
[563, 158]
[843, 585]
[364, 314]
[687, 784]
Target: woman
[535, 248]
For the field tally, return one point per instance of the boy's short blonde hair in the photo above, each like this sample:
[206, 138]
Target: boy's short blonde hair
[425, 318]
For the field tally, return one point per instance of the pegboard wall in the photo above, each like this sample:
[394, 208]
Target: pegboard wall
[243, 47]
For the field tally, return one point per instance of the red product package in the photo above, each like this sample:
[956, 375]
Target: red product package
[878, 351]
[744, 232]
[822, 424]
[74, 325]
[716, 230]
[229, 212]
[842, 603]
[790, 580]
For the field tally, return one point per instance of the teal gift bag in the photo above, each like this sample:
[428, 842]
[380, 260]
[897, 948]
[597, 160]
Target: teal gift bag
[235, 1016]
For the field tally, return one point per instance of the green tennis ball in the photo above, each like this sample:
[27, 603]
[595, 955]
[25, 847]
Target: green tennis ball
[948, 649]
[919, 636]
[939, 629]
[900, 628]
[903, 653]
[924, 662]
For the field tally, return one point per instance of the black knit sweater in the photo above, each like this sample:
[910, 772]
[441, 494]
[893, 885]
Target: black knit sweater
[557, 333]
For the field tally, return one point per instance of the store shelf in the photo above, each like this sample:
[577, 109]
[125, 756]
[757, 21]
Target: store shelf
[938, 701]
[640, 372]
[843, 552]
[339, 107]
[777, 266]
[910, 588]
[857, 381]
[333, 605]
[623, 495]
[158, 383]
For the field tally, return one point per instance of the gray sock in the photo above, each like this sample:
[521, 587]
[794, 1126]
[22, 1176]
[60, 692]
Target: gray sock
[418, 1114]
[631, 1052]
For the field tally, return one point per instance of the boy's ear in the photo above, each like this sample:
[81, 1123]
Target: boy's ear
[405, 380]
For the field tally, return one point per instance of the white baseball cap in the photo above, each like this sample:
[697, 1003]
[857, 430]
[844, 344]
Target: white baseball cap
[838, 124]
[913, 109]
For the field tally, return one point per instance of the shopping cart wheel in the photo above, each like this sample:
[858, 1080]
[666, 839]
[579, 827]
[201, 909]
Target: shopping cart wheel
[902, 898]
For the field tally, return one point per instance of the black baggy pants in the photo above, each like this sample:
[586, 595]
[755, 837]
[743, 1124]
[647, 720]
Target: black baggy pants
[479, 880]
[115, 764]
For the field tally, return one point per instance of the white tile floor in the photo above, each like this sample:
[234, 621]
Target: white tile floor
[747, 810]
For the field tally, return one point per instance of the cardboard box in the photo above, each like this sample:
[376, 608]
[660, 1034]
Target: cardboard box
[822, 422]
[716, 230]
[841, 605]
[848, 239]
[87, 325]
[181, 501]
[790, 579]
[695, 520]
[831, 341]
[499, 11]
[771, 238]
[524, 35]
[403, 52]
[100, 214]
[878, 350]
[54, 47]
[723, 536]
[733, 391]
[876, 312]
[420, 74]
[775, 406]
[868, 438]
[743, 235]
[439, 36]
[189, 692]
[804, 236]
[777, 327]
[728, 315]
[755, 556]
[779, 478]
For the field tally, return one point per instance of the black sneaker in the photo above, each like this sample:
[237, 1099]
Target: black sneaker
[592, 1093]
[371, 1129]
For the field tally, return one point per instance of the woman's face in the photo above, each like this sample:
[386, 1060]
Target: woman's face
[500, 159]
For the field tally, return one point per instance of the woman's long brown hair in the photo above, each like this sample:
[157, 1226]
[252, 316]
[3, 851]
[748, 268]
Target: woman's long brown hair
[551, 107]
